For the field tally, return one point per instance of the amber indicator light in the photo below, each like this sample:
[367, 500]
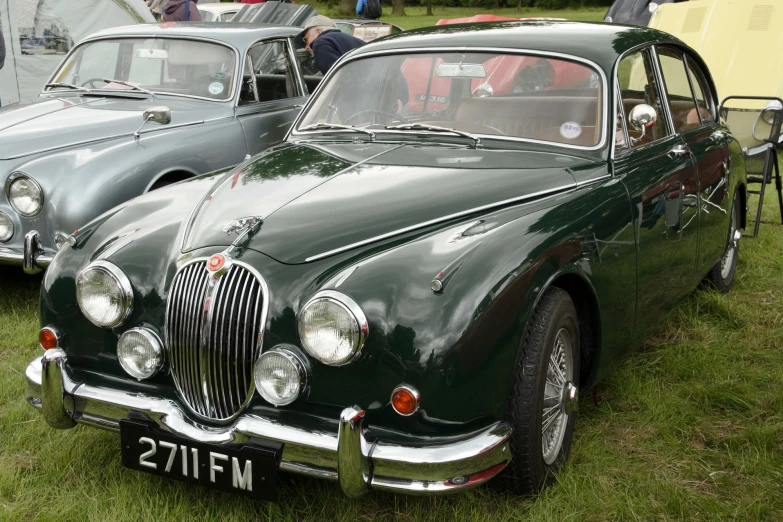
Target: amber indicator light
[48, 339]
[404, 401]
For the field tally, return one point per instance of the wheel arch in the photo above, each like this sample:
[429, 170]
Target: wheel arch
[171, 175]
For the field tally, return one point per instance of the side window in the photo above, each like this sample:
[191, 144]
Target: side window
[268, 74]
[678, 90]
[701, 91]
[637, 86]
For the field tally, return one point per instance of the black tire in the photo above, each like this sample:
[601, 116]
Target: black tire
[721, 275]
[528, 471]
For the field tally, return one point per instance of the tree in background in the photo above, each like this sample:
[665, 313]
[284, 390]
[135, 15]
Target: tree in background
[398, 8]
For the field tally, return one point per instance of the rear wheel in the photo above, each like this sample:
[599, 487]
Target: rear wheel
[722, 274]
[544, 397]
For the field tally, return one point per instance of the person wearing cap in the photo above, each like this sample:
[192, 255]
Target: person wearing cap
[326, 42]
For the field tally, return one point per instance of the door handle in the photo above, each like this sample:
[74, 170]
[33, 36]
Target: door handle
[678, 152]
[719, 137]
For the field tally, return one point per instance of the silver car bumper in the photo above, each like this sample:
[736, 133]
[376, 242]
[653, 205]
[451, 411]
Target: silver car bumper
[32, 258]
[346, 456]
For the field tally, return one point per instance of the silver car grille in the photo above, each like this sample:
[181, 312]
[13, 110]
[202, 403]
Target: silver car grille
[213, 333]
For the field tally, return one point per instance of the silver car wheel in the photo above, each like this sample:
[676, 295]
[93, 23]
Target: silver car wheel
[554, 418]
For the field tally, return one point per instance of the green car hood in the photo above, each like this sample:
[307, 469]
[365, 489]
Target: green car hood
[317, 200]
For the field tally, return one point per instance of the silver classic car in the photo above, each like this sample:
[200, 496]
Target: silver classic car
[133, 109]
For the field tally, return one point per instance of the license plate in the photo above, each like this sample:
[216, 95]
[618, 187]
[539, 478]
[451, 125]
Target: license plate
[239, 468]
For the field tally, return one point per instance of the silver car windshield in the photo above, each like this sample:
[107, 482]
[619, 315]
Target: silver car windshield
[160, 65]
[479, 93]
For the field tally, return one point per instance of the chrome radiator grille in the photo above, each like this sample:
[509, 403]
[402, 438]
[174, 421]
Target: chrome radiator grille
[213, 333]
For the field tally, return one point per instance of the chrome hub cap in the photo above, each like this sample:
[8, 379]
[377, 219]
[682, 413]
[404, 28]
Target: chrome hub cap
[734, 236]
[559, 396]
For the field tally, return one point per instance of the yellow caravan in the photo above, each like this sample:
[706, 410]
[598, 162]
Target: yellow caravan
[741, 41]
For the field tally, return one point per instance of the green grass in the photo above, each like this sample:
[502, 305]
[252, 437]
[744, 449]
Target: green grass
[416, 17]
[690, 427]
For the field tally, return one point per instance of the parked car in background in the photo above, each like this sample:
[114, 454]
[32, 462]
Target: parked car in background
[275, 13]
[366, 30]
[634, 12]
[402, 300]
[133, 109]
[218, 12]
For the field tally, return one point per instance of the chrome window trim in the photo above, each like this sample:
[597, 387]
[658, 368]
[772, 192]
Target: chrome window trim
[298, 80]
[86, 41]
[300, 83]
[520, 199]
[122, 281]
[425, 50]
[297, 363]
[352, 307]
[698, 74]
[261, 331]
[15, 175]
[154, 340]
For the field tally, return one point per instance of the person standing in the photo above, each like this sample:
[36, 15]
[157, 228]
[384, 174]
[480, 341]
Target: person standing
[181, 11]
[325, 42]
[369, 9]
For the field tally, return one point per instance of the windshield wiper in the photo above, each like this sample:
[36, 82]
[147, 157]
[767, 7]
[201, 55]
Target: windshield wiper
[435, 128]
[318, 126]
[67, 86]
[136, 87]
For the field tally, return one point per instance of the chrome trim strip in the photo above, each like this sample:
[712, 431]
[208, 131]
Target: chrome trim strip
[435, 221]
[350, 58]
[664, 95]
[413, 469]
[581, 184]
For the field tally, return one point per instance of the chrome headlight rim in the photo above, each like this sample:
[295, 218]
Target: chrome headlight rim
[12, 229]
[350, 306]
[296, 361]
[14, 177]
[154, 339]
[123, 283]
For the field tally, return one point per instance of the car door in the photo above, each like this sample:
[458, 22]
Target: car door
[660, 177]
[271, 95]
[693, 111]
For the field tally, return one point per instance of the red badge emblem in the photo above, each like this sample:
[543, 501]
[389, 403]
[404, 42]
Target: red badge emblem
[216, 262]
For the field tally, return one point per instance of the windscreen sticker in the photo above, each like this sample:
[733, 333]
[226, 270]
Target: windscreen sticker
[570, 130]
[215, 88]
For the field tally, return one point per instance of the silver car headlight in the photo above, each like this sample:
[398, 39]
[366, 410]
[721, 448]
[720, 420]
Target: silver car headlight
[104, 294]
[280, 376]
[24, 194]
[332, 328]
[140, 353]
[6, 227]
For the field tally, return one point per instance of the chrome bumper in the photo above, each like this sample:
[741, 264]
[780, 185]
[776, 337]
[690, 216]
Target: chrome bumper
[347, 456]
[32, 258]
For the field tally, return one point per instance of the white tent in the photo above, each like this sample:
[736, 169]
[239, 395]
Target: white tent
[38, 34]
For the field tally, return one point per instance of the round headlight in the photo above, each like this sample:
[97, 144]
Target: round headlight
[768, 113]
[332, 328]
[140, 353]
[280, 376]
[6, 227]
[608, 19]
[24, 194]
[104, 294]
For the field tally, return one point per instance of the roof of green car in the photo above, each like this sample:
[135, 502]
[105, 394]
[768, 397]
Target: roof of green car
[600, 43]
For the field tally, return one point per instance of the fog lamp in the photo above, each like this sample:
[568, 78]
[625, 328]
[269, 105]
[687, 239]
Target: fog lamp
[6, 227]
[140, 353]
[280, 376]
[405, 400]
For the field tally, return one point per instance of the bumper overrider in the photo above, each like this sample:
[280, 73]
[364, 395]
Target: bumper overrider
[32, 257]
[347, 456]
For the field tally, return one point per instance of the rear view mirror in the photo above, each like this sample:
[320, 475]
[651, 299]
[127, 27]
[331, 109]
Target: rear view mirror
[155, 54]
[461, 70]
[160, 115]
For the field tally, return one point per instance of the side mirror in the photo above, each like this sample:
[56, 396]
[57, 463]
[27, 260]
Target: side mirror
[641, 118]
[160, 115]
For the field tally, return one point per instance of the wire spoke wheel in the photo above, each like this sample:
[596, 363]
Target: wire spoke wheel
[554, 419]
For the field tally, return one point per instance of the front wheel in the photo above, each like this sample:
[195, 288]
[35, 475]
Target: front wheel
[544, 397]
[722, 274]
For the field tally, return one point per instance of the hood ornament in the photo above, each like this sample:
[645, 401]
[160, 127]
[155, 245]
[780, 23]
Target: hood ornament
[244, 228]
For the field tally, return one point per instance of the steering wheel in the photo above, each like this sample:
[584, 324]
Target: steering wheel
[91, 83]
[384, 113]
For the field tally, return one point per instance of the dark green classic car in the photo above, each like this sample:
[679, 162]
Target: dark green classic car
[409, 292]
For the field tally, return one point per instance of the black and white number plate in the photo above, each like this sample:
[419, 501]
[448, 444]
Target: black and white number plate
[246, 469]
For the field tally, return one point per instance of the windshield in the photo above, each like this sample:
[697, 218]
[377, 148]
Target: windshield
[485, 94]
[161, 65]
